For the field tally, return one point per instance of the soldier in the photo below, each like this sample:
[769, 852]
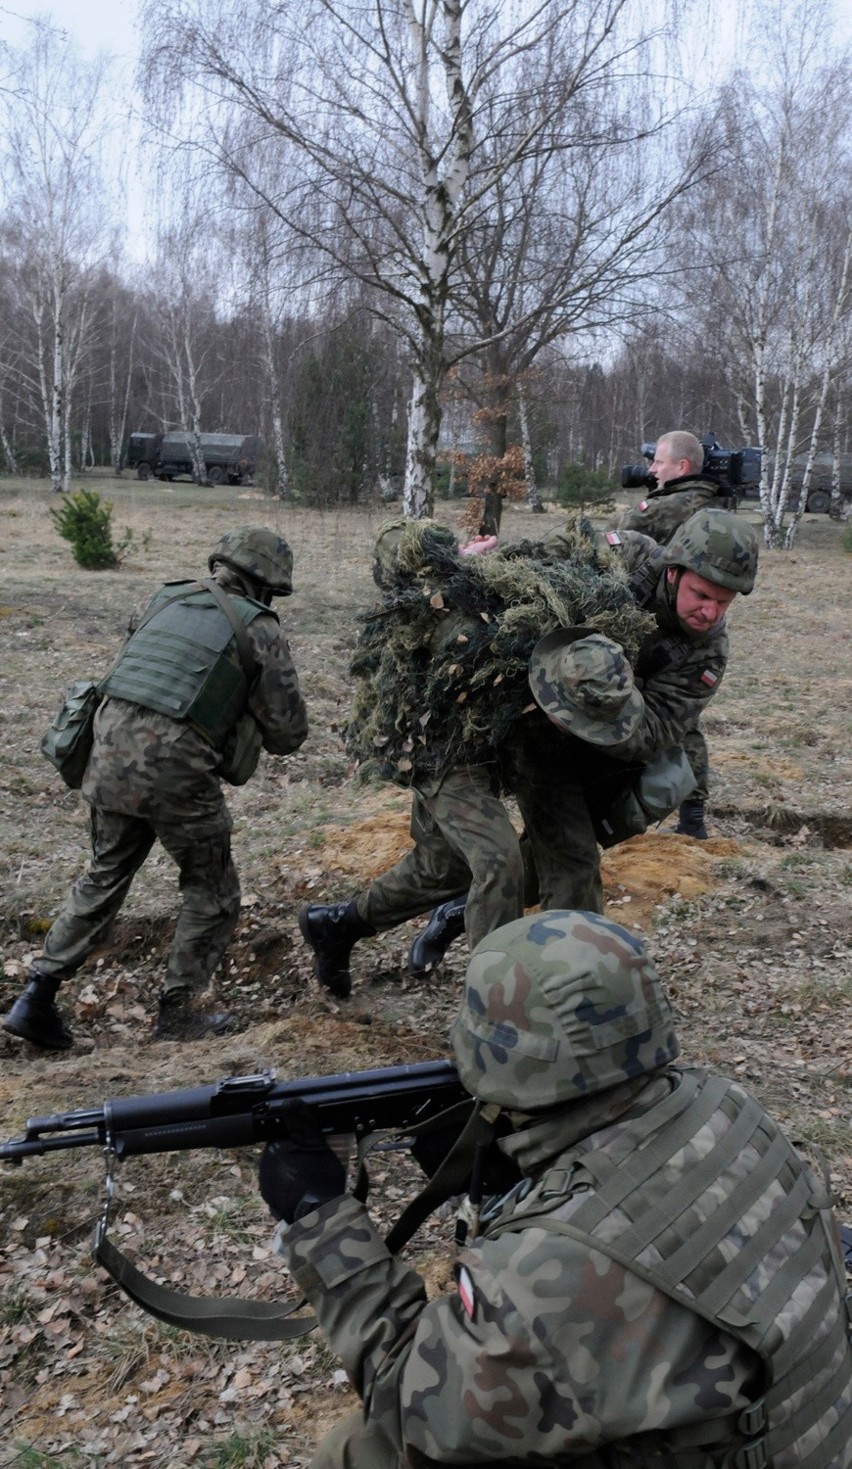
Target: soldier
[173, 698]
[681, 489]
[664, 1287]
[463, 839]
[601, 717]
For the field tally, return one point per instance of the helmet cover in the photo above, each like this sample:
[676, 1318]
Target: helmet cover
[558, 1006]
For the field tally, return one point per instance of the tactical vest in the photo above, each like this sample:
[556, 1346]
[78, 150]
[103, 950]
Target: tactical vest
[182, 660]
[688, 1206]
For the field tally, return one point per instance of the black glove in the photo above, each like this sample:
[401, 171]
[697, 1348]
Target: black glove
[299, 1172]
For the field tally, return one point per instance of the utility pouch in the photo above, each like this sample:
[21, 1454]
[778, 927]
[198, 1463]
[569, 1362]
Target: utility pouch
[67, 744]
[627, 806]
[241, 751]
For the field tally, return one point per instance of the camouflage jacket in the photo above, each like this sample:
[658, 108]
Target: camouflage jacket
[662, 510]
[146, 764]
[552, 1351]
[676, 671]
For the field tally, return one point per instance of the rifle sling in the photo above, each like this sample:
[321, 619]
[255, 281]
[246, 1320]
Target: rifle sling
[232, 1318]
[238, 1318]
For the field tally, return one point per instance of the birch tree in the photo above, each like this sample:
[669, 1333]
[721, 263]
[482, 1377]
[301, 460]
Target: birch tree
[769, 252]
[53, 134]
[390, 104]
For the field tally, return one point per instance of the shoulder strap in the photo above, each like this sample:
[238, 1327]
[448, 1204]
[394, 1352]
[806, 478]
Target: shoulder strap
[239, 1318]
[244, 649]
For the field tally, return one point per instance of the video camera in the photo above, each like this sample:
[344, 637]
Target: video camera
[732, 469]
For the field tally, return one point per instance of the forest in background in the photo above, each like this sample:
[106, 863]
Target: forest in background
[380, 236]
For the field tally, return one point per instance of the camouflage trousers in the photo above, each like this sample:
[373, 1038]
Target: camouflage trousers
[463, 840]
[210, 897]
[695, 746]
[559, 846]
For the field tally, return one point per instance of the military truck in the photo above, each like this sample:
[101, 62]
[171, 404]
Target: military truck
[228, 458]
[819, 493]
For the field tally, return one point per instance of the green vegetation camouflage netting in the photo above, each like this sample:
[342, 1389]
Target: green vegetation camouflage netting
[442, 661]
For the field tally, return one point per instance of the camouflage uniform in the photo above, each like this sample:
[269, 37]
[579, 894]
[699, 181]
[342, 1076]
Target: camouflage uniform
[663, 1289]
[662, 510]
[151, 777]
[555, 775]
[659, 516]
[463, 837]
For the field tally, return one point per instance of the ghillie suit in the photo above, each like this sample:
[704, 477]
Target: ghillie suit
[442, 661]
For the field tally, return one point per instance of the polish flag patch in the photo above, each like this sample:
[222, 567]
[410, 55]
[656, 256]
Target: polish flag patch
[466, 1293]
[643, 504]
[613, 537]
[709, 678]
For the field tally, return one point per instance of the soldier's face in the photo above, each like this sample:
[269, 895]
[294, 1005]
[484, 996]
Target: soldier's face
[700, 604]
[664, 468]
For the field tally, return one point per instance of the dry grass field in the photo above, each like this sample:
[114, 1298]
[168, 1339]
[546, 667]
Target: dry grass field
[751, 930]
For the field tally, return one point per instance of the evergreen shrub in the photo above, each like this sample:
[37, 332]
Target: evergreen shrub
[86, 523]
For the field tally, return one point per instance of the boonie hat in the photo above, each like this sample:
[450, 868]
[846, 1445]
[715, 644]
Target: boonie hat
[584, 684]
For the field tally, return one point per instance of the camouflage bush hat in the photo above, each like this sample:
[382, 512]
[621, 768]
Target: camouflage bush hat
[260, 553]
[557, 1006]
[584, 683]
[717, 545]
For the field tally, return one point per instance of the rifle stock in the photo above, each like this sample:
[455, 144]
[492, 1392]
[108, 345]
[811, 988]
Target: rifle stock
[241, 1110]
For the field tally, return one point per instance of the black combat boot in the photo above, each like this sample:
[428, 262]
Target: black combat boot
[691, 822]
[35, 1018]
[446, 922]
[179, 1020]
[332, 930]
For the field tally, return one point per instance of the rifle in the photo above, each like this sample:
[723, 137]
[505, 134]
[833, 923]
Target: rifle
[247, 1109]
[411, 1101]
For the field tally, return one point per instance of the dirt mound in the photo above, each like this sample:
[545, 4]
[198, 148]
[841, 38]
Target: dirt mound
[645, 871]
[637, 875]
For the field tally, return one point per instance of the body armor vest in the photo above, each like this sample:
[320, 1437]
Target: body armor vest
[182, 660]
[683, 1197]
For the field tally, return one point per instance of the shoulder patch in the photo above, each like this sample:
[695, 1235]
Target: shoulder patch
[613, 538]
[466, 1295]
[643, 505]
[711, 679]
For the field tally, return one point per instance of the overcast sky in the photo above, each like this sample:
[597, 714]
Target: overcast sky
[96, 25]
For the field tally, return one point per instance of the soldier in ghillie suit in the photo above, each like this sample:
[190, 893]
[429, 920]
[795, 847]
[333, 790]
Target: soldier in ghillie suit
[441, 677]
[681, 489]
[174, 697]
[600, 711]
[664, 1288]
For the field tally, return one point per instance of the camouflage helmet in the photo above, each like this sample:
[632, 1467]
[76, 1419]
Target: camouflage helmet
[584, 684]
[260, 554]
[557, 1006]
[717, 545]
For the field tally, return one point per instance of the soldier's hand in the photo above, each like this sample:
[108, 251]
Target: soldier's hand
[299, 1172]
[478, 546]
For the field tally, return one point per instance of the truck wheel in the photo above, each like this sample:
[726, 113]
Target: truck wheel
[818, 502]
[143, 471]
[215, 474]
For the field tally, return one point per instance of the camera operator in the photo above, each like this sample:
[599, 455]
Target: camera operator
[677, 488]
